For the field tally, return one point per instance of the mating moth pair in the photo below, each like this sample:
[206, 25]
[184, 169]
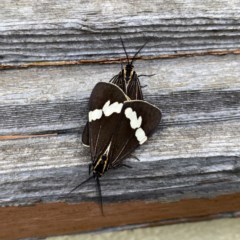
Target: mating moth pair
[119, 121]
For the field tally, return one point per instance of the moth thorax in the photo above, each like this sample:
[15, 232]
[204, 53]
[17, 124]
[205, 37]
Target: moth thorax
[100, 166]
[128, 72]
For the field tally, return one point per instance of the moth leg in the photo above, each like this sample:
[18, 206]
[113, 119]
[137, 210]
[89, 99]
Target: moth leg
[125, 165]
[79, 185]
[100, 194]
[121, 165]
[133, 156]
[144, 86]
[89, 168]
[146, 75]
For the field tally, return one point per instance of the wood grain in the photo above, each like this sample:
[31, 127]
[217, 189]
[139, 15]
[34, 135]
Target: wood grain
[188, 169]
[33, 32]
[193, 154]
[201, 89]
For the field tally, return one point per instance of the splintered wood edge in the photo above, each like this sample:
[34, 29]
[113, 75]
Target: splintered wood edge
[48, 219]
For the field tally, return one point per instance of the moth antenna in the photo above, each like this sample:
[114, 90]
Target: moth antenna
[100, 194]
[139, 50]
[124, 50]
[79, 185]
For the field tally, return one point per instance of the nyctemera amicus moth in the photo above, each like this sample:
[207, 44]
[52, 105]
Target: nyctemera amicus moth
[117, 126]
[127, 79]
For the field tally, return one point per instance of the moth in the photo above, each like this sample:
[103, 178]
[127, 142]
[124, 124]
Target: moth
[117, 126]
[127, 79]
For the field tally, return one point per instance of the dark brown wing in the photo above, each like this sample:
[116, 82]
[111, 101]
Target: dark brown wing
[134, 90]
[85, 135]
[119, 81]
[128, 137]
[105, 106]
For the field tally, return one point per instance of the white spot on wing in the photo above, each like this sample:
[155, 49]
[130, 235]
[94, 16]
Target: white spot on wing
[109, 109]
[94, 115]
[132, 116]
[135, 123]
[140, 135]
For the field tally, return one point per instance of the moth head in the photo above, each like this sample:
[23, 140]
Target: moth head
[129, 67]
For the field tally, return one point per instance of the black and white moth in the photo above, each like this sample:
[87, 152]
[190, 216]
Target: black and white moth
[117, 127]
[127, 79]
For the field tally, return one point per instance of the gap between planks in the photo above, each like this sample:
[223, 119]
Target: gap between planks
[14, 137]
[117, 60]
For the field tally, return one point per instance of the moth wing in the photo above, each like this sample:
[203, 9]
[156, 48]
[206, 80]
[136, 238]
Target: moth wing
[134, 90]
[85, 135]
[119, 81]
[133, 130]
[105, 104]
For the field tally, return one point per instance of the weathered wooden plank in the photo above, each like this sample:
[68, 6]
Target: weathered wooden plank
[90, 31]
[178, 108]
[71, 83]
[201, 119]
[198, 90]
[177, 161]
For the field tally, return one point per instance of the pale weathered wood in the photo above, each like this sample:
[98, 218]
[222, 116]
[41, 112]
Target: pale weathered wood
[198, 137]
[57, 31]
[199, 163]
[55, 99]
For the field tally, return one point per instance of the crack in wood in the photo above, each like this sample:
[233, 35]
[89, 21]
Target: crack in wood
[178, 54]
